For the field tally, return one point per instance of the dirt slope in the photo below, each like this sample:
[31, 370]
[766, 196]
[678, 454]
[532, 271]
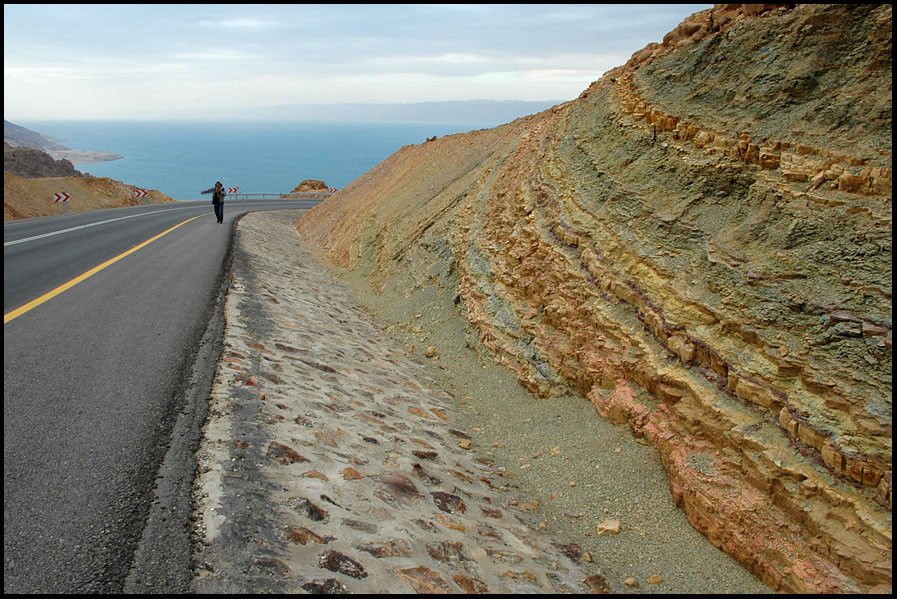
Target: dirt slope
[27, 198]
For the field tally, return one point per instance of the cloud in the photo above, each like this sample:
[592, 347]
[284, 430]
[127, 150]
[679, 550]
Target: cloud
[121, 59]
[220, 54]
[440, 59]
[458, 64]
[99, 71]
[239, 23]
[155, 68]
[40, 73]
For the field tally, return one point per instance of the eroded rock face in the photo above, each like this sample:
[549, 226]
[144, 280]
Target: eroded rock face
[31, 163]
[700, 245]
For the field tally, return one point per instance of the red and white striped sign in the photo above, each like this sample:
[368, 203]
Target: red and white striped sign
[233, 189]
[139, 193]
[61, 197]
[332, 189]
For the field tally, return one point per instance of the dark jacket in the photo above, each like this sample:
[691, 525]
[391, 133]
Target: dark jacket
[217, 195]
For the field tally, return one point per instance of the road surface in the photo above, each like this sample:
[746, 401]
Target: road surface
[111, 320]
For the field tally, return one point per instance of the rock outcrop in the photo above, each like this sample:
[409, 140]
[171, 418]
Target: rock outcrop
[31, 163]
[310, 185]
[700, 245]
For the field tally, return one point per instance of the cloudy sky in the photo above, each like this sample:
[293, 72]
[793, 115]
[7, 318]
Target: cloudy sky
[102, 61]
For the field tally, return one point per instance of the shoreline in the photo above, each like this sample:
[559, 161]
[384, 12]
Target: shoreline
[83, 156]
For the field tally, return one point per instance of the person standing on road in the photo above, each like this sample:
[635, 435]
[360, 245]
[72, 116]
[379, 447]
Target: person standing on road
[218, 194]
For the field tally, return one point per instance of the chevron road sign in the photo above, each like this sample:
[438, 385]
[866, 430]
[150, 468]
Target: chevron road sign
[140, 195]
[233, 189]
[61, 197]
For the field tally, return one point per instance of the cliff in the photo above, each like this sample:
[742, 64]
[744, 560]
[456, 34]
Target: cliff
[700, 245]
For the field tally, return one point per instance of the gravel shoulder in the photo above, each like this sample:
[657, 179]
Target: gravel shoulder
[333, 462]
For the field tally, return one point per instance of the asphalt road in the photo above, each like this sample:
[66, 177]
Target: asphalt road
[103, 377]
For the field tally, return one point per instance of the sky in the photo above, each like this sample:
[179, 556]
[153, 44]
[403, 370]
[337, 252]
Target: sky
[144, 62]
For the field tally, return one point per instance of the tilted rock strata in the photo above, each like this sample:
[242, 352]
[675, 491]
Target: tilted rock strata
[726, 294]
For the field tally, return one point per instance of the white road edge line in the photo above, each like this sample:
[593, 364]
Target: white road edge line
[102, 222]
[112, 220]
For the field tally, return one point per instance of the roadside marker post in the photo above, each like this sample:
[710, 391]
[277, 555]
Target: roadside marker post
[64, 198]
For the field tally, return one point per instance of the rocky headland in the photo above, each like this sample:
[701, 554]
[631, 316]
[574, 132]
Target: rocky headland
[700, 246]
[17, 136]
[84, 156]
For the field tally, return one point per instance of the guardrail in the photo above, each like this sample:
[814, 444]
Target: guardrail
[287, 196]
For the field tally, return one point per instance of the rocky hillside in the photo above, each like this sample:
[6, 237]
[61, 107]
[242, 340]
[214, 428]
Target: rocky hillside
[18, 136]
[30, 163]
[28, 198]
[700, 245]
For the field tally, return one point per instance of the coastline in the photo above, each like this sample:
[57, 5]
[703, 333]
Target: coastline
[84, 156]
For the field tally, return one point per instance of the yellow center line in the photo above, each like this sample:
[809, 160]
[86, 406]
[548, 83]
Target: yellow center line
[66, 286]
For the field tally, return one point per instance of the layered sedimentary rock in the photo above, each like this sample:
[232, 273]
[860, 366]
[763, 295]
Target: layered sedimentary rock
[700, 245]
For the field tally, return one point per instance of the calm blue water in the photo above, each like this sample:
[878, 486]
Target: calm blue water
[182, 159]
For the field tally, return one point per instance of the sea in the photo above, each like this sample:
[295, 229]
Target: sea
[181, 159]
